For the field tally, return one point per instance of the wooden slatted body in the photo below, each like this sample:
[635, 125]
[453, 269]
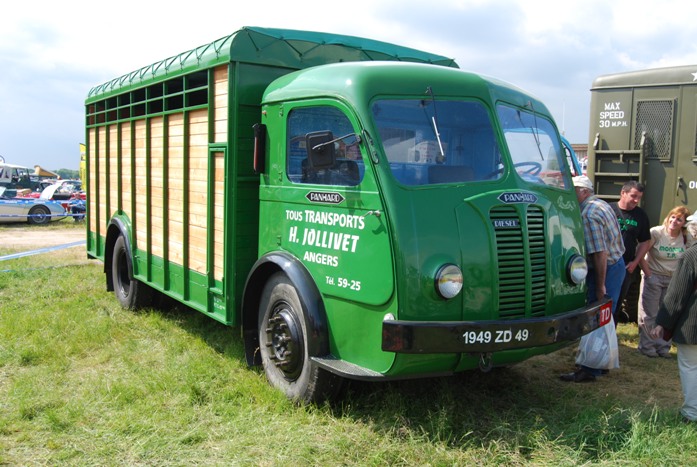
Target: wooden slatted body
[161, 174]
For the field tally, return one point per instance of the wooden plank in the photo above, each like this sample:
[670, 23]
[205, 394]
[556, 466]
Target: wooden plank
[218, 212]
[176, 155]
[176, 252]
[175, 190]
[197, 249]
[113, 169]
[176, 124]
[220, 104]
[198, 199]
[176, 184]
[198, 191]
[200, 140]
[157, 202]
[199, 116]
[92, 200]
[200, 210]
[176, 214]
[200, 175]
[101, 160]
[199, 162]
[141, 184]
[126, 195]
[176, 231]
[156, 182]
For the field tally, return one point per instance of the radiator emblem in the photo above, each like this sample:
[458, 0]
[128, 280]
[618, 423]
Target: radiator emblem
[518, 197]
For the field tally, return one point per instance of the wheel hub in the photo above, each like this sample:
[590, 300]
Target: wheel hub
[284, 340]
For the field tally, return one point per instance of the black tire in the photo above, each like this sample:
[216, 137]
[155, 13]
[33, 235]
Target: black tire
[283, 343]
[131, 293]
[39, 215]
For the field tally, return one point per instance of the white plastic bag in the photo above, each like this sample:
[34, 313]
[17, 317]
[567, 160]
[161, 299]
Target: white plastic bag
[598, 349]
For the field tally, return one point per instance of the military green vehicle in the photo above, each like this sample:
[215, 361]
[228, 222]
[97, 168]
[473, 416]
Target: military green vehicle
[643, 127]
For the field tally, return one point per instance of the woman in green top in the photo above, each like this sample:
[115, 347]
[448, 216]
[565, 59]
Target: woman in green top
[668, 243]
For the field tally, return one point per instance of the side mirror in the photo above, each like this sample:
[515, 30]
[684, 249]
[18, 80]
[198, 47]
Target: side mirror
[320, 149]
[259, 147]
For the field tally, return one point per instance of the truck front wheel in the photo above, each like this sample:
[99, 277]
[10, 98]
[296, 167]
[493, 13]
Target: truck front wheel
[283, 342]
[131, 293]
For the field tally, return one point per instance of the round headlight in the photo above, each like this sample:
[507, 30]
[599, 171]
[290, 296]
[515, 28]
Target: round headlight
[449, 281]
[577, 269]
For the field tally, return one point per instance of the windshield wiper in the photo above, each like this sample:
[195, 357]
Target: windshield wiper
[535, 130]
[435, 124]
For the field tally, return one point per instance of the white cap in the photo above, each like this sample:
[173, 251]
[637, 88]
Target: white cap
[583, 181]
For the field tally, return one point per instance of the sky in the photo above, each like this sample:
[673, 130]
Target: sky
[53, 53]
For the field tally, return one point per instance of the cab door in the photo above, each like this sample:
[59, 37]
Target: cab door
[326, 204]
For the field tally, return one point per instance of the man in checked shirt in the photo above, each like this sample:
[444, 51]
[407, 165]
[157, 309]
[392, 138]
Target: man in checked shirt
[604, 250]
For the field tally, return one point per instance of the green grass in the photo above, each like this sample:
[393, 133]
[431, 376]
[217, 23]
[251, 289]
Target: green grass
[83, 382]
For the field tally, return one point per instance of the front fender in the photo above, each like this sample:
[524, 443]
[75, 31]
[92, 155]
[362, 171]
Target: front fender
[310, 300]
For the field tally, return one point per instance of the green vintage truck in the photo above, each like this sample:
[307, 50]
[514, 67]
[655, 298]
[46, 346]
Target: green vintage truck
[359, 210]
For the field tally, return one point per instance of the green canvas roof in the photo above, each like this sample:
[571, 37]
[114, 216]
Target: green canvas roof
[278, 47]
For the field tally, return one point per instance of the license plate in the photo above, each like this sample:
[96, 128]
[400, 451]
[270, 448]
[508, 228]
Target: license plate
[498, 336]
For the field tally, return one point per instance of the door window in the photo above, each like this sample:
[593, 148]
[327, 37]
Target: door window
[342, 163]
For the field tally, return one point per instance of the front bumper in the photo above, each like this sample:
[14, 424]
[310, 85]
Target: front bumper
[424, 337]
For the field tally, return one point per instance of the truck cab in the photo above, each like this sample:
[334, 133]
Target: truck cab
[431, 215]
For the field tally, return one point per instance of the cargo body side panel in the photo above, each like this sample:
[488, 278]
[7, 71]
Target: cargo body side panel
[163, 175]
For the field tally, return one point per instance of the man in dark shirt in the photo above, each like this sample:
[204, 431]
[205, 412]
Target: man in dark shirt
[635, 227]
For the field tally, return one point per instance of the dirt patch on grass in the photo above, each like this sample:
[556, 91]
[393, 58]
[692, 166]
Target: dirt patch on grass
[25, 246]
[28, 237]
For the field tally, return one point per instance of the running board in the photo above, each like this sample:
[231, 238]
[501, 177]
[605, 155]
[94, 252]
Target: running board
[346, 369]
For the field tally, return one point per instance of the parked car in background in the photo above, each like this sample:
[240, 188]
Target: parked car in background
[31, 210]
[60, 190]
[67, 190]
[16, 176]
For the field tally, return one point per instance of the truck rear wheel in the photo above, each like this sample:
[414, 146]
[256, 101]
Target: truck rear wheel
[131, 293]
[283, 342]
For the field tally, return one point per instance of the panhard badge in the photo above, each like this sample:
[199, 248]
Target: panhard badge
[517, 197]
[324, 197]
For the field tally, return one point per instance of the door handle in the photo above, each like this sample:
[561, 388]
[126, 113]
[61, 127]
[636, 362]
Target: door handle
[681, 183]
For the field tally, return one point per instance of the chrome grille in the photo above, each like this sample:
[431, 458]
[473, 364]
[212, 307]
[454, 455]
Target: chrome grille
[522, 260]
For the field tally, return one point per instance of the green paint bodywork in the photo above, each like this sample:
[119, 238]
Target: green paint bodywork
[278, 48]
[375, 253]
[421, 228]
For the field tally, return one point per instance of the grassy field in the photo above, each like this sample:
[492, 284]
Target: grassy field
[83, 382]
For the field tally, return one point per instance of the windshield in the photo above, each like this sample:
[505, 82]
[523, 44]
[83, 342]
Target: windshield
[534, 146]
[429, 141]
